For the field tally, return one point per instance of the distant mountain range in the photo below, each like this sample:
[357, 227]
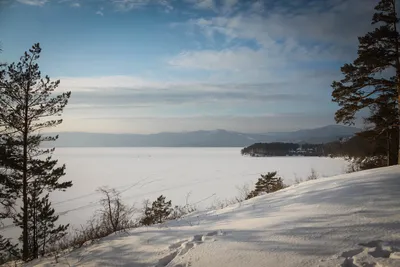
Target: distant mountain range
[216, 138]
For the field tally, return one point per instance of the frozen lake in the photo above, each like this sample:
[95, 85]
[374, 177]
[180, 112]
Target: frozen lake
[208, 174]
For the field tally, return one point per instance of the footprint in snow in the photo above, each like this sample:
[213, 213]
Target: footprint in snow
[370, 254]
[184, 246]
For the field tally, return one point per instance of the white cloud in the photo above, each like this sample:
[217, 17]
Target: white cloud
[33, 2]
[125, 5]
[134, 104]
[202, 4]
[228, 59]
[75, 5]
[257, 7]
[107, 82]
[285, 36]
[229, 5]
[100, 13]
[111, 99]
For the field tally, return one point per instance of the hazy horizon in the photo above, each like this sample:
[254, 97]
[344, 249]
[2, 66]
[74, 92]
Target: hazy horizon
[200, 130]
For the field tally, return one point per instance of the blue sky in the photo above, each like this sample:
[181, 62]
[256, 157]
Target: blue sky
[149, 66]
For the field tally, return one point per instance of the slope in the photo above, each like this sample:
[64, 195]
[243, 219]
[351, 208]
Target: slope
[348, 220]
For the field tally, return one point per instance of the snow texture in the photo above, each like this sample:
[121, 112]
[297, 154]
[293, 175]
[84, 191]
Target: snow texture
[350, 220]
[208, 174]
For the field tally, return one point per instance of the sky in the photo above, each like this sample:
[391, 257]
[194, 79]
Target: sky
[147, 66]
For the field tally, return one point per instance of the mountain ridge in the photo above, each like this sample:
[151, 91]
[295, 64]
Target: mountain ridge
[202, 138]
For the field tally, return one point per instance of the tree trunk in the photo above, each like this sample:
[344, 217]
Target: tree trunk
[397, 76]
[44, 240]
[35, 230]
[394, 144]
[25, 234]
[398, 121]
[388, 149]
[25, 237]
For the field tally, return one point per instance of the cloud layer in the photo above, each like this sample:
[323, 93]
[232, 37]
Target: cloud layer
[264, 65]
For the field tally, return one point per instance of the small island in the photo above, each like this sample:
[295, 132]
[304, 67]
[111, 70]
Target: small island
[351, 147]
[279, 149]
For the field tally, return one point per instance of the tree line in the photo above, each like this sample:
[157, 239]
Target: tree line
[364, 153]
[283, 149]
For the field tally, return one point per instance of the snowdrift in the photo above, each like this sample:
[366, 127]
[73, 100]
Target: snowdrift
[347, 220]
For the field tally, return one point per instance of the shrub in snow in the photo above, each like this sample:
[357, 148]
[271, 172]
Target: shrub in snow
[252, 194]
[366, 163]
[180, 211]
[114, 214]
[313, 175]
[158, 212]
[268, 183]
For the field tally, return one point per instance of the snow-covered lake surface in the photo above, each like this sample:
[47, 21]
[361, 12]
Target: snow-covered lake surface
[210, 175]
[350, 220]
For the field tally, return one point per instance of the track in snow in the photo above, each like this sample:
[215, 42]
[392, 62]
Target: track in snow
[184, 246]
[372, 254]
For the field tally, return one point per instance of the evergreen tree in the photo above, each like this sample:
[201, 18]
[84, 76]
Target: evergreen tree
[7, 195]
[158, 212]
[47, 231]
[7, 198]
[148, 218]
[161, 208]
[383, 132]
[268, 183]
[28, 105]
[374, 77]
[42, 229]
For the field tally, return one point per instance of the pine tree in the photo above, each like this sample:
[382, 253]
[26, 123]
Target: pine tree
[161, 209]
[47, 231]
[7, 199]
[28, 105]
[148, 218]
[158, 212]
[268, 183]
[42, 230]
[7, 196]
[383, 132]
[374, 77]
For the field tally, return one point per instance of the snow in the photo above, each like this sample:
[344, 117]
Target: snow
[349, 220]
[210, 175]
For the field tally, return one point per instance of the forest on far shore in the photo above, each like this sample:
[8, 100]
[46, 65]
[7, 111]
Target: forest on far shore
[364, 152]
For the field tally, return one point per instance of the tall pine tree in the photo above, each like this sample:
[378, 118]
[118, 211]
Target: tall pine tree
[374, 77]
[7, 196]
[28, 105]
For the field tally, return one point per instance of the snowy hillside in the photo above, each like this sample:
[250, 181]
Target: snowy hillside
[348, 220]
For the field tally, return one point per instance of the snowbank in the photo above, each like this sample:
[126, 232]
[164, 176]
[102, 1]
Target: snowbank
[347, 220]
